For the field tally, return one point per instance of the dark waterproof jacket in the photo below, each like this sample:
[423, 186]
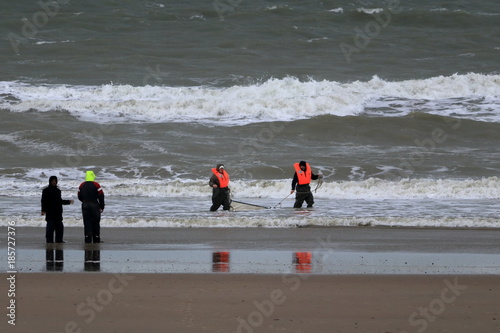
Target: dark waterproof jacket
[91, 192]
[52, 203]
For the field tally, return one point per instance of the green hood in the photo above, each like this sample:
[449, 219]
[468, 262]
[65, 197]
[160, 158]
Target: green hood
[89, 176]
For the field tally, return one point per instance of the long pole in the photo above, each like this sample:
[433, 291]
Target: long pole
[282, 201]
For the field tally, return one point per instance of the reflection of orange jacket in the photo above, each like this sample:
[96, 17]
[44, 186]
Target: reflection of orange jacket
[304, 177]
[222, 177]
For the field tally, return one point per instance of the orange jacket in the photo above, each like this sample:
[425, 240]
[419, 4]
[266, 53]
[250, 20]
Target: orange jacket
[304, 177]
[222, 177]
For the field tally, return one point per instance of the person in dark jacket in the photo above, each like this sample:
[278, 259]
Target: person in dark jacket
[220, 193]
[300, 183]
[91, 195]
[53, 211]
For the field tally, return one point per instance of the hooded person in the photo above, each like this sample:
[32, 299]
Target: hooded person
[53, 211]
[300, 183]
[219, 181]
[91, 195]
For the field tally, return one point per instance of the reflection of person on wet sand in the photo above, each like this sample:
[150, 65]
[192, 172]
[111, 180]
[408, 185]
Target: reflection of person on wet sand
[220, 262]
[54, 257]
[302, 262]
[92, 261]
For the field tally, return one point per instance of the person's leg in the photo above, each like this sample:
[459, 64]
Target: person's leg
[226, 202]
[216, 200]
[87, 221]
[59, 228]
[299, 199]
[96, 224]
[49, 231]
[215, 206]
[310, 200]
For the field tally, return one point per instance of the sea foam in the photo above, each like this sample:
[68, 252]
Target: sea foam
[369, 189]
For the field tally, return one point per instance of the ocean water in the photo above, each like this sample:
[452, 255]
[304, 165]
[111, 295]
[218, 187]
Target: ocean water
[396, 103]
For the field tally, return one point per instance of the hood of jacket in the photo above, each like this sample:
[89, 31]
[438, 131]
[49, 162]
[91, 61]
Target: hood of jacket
[51, 179]
[89, 176]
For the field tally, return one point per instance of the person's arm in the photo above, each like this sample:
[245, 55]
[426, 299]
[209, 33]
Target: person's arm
[214, 181]
[79, 193]
[44, 202]
[101, 200]
[61, 200]
[100, 196]
[294, 182]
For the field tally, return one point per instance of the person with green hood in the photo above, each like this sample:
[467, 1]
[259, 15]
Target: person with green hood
[91, 195]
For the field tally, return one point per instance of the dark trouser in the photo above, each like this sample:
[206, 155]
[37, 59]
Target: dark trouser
[303, 193]
[220, 196]
[91, 222]
[54, 225]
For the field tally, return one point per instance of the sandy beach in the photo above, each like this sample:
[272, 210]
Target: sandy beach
[254, 303]
[293, 298]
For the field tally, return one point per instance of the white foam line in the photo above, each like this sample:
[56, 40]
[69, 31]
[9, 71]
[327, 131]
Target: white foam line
[285, 99]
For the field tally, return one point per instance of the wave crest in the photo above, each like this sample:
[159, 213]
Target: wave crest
[285, 99]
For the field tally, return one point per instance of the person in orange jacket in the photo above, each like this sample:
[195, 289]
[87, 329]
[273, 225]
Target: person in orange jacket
[300, 183]
[219, 181]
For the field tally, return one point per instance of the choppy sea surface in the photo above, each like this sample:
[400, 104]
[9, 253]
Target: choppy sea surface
[396, 103]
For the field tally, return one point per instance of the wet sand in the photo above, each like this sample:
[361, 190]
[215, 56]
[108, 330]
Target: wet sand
[296, 297]
[264, 251]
